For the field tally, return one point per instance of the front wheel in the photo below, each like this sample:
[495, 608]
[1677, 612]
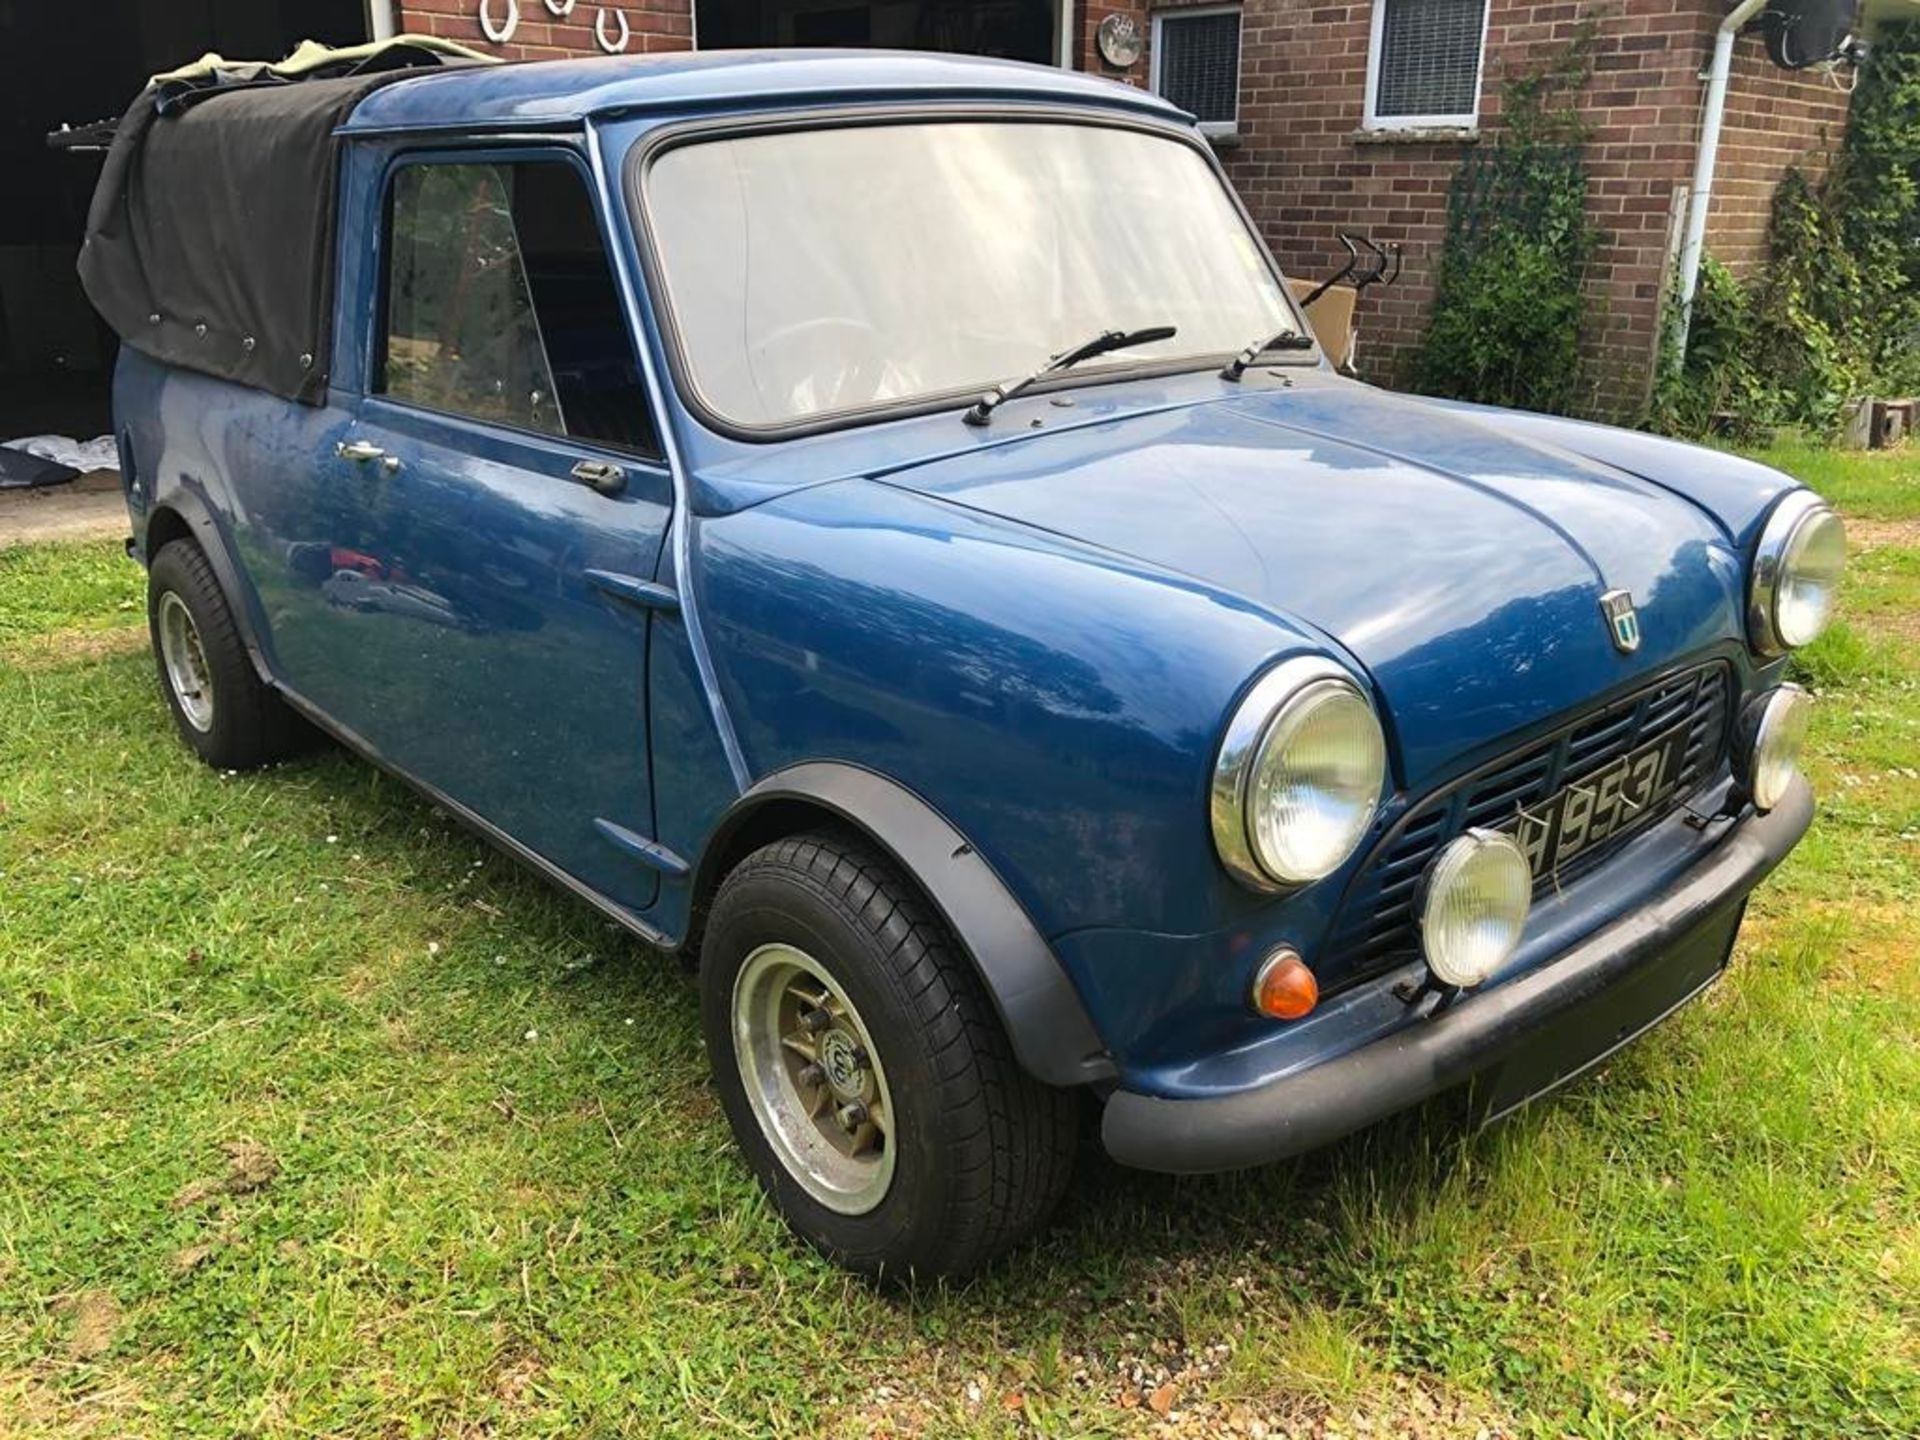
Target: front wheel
[865, 1074]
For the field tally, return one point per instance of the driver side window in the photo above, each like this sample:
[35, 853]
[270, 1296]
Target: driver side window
[501, 305]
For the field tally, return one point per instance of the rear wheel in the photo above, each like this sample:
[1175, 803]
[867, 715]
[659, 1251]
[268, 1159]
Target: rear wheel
[866, 1076]
[227, 715]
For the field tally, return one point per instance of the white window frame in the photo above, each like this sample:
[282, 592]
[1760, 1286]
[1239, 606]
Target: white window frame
[1375, 53]
[1213, 128]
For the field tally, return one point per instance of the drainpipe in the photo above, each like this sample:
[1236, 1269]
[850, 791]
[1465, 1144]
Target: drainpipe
[1698, 202]
[380, 19]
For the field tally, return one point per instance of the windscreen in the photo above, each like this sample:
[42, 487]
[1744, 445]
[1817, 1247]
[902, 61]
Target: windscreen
[819, 271]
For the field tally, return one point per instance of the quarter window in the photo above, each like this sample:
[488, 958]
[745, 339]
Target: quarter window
[501, 304]
[1425, 63]
[1196, 63]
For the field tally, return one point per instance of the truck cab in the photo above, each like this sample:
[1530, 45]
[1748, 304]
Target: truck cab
[880, 527]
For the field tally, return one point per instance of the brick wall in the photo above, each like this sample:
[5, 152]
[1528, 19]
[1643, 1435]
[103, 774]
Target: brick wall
[1775, 119]
[542, 35]
[1308, 170]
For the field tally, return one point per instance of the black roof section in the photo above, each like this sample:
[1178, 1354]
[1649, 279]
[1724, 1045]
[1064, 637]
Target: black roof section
[210, 240]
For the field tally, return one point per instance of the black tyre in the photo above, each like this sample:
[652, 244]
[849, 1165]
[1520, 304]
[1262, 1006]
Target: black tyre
[220, 706]
[866, 1076]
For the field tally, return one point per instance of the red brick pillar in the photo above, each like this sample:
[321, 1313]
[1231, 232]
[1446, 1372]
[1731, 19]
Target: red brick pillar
[540, 34]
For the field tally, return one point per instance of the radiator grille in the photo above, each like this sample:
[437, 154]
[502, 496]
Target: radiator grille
[1374, 929]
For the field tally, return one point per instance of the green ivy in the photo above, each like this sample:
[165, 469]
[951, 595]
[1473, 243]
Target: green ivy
[1836, 312]
[1508, 306]
[1878, 195]
[1725, 386]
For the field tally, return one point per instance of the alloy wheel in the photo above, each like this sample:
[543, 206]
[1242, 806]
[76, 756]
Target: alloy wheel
[814, 1079]
[188, 674]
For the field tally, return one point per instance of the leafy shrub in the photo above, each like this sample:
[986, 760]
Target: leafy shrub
[1836, 312]
[1508, 308]
[1725, 385]
[1877, 203]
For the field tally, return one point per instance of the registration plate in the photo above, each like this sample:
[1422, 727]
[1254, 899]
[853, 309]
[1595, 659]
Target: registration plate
[1603, 805]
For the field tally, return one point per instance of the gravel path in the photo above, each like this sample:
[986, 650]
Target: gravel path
[88, 507]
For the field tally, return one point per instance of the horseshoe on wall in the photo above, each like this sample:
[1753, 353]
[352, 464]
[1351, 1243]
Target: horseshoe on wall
[501, 33]
[563, 9]
[600, 31]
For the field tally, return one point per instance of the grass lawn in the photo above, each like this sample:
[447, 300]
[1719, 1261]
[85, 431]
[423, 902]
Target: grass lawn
[318, 1118]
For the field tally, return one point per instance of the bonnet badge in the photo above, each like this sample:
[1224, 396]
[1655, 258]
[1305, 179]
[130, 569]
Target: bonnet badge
[1623, 621]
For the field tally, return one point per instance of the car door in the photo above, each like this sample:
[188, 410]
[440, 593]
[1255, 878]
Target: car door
[498, 513]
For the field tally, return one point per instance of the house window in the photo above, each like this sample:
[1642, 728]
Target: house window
[1425, 63]
[1196, 63]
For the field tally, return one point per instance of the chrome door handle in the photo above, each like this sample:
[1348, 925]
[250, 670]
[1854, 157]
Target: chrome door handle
[608, 479]
[361, 451]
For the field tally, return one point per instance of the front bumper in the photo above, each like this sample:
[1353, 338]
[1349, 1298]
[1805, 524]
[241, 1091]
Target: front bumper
[1575, 1009]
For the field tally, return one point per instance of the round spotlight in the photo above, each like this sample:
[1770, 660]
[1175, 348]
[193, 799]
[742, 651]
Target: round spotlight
[1773, 754]
[1478, 893]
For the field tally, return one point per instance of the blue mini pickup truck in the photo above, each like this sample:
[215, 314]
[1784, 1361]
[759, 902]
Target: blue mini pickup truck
[878, 526]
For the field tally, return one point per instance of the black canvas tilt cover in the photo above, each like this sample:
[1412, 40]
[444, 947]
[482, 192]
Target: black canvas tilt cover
[210, 240]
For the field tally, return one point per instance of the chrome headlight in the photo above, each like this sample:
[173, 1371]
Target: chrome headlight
[1796, 574]
[1774, 728]
[1298, 777]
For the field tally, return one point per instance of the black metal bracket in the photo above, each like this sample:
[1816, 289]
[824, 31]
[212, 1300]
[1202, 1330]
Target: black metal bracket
[1383, 267]
[1427, 996]
[1353, 260]
[94, 137]
[1386, 268]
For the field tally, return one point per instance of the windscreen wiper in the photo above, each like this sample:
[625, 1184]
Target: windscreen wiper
[1102, 344]
[1287, 339]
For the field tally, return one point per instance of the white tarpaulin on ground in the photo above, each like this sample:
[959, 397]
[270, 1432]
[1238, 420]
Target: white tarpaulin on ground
[82, 455]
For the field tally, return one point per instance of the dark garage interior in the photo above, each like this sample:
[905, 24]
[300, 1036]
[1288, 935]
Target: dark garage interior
[1009, 29]
[63, 66]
